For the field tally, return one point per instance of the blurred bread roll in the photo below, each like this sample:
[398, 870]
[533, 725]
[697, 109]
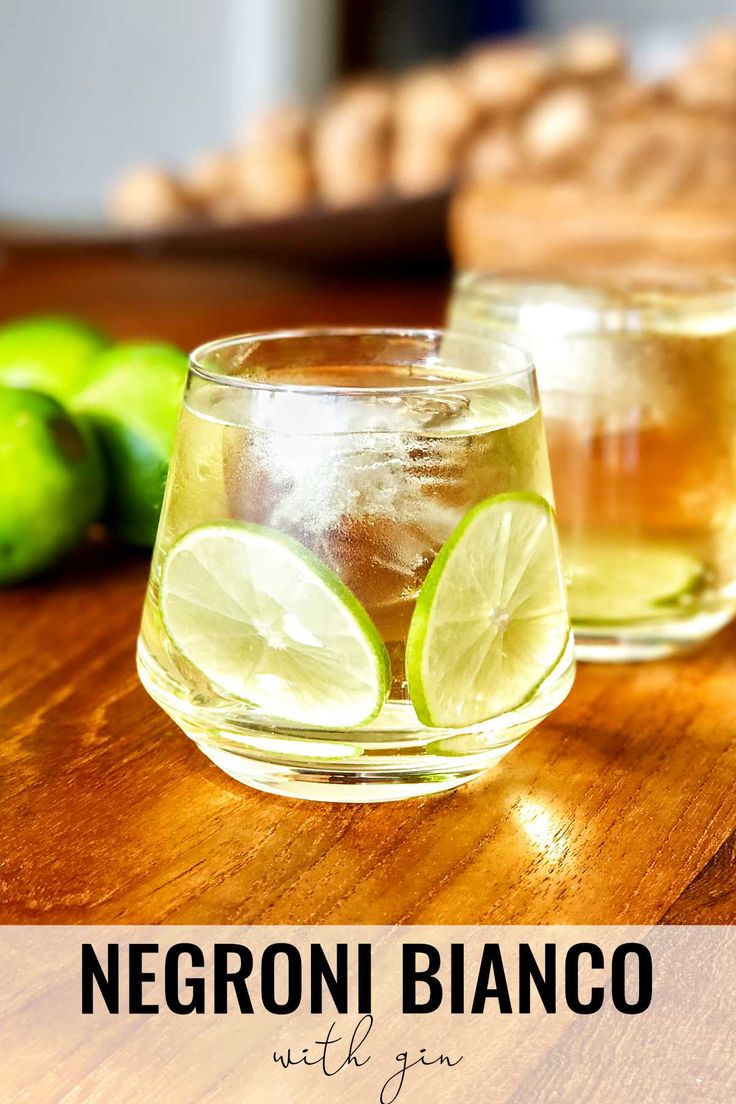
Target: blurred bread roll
[272, 173]
[232, 206]
[433, 101]
[501, 79]
[558, 127]
[147, 197]
[717, 48]
[209, 177]
[703, 86]
[433, 118]
[493, 154]
[271, 183]
[591, 52]
[279, 128]
[350, 145]
[423, 165]
[369, 99]
[350, 166]
[626, 95]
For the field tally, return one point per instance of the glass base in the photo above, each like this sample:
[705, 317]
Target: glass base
[329, 784]
[636, 643]
[393, 758]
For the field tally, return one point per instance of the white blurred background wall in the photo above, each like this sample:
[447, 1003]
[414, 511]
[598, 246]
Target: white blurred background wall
[89, 86]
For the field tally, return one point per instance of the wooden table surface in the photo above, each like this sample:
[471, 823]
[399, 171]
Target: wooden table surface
[619, 808]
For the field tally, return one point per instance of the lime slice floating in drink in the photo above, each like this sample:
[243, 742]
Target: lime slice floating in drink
[490, 621]
[267, 622]
[611, 582]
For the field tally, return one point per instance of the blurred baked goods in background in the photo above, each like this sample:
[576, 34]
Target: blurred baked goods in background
[564, 113]
[148, 197]
[408, 135]
[613, 173]
[350, 144]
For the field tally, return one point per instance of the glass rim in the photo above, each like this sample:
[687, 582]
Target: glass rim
[603, 302]
[523, 362]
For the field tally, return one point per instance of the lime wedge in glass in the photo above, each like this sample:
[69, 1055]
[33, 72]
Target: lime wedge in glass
[267, 622]
[611, 582]
[490, 621]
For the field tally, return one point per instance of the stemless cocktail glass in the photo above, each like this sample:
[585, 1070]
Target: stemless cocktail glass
[355, 592]
[638, 385]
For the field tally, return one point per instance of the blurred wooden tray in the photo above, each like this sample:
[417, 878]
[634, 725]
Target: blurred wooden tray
[393, 231]
[538, 228]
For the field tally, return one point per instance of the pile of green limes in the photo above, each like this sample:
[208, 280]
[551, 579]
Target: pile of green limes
[86, 431]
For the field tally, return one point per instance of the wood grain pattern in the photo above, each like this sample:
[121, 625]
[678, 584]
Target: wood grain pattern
[612, 811]
[709, 899]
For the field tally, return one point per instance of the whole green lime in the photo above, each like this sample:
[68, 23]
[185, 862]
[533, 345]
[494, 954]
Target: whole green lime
[49, 354]
[51, 482]
[133, 404]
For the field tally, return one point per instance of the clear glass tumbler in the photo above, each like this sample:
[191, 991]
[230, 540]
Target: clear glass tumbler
[638, 385]
[356, 592]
